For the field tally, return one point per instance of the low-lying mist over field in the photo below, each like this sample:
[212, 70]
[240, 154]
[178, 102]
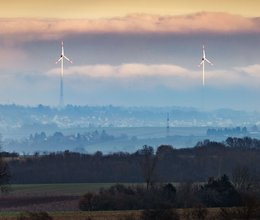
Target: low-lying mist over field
[113, 128]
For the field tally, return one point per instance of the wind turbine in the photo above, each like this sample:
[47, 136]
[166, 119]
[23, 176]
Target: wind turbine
[62, 57]
[203, 64]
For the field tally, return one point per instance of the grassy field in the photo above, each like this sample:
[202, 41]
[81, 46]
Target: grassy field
[75, 189]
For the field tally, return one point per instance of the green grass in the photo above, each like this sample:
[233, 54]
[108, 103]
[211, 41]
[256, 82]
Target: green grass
[8, 214]
[77, 189]
[57, 189]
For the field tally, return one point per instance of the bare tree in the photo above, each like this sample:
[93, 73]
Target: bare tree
[4, 172]
[4, 176]
[148, 164]
[242, 178]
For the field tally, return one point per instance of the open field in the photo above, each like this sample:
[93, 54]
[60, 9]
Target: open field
[68, 189]
[47, 197]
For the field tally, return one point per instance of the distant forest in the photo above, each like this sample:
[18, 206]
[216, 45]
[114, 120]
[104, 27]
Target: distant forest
[58, 141]
[206, 160]
[228, 131]
[81, 142]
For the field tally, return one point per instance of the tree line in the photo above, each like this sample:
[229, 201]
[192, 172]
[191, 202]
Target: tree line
[165, 164]
[227, 131]
[58, 140]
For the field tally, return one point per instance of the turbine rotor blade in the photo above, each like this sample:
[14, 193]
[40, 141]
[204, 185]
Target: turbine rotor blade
[201, 63]
[59, 60]
[67, 58]
[62, 49]
[208, 61]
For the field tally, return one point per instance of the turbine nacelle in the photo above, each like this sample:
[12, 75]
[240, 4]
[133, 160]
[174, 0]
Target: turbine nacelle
[203, 64]
[62, 56]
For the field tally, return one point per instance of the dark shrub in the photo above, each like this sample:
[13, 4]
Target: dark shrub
[120, 197]
[220, 193]
[88, 202]
[169, 192]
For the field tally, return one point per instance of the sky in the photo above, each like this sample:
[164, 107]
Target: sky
[131, 53]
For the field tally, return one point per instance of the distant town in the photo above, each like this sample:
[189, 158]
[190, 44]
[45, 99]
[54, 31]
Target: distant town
[27, 129]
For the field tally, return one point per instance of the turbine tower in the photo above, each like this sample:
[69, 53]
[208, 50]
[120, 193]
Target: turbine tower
[168, 124]
[62, 57]
[203, 64]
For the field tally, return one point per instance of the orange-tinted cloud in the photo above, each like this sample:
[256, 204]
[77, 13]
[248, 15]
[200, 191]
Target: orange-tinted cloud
[216, 23]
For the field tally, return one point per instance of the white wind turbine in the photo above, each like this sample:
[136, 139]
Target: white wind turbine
[203, 64]
[62, 57]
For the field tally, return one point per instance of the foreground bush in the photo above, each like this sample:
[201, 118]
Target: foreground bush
[34, 216]
[215, 193]
[120, 197]
[220, 193]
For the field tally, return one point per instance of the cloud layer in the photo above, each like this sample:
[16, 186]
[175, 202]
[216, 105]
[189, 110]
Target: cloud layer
[151, 84]
[121, 56]
[124, 70]
[221, 23]
[171, 76]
